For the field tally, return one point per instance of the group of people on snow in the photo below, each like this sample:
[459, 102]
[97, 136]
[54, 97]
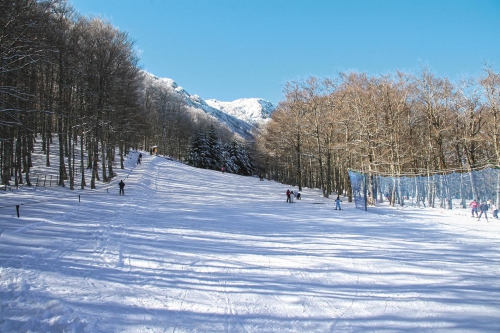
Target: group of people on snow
[480, 208]
[291, 196]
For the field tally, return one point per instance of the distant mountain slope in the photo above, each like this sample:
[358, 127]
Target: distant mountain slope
[251, 110]
[240, 116]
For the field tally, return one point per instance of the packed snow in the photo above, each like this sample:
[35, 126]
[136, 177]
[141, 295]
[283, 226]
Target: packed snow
[192, 250]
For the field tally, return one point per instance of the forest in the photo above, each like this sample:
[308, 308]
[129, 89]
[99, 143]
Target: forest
[74, 81]
[397, 124]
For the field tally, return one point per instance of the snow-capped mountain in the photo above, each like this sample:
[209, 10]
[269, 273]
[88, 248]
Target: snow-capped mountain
[250, 110]
[240, 116]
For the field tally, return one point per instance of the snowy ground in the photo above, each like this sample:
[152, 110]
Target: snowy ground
[190, 250]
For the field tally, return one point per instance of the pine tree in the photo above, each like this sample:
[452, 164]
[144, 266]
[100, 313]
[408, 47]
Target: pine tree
[213, 154]
[198, 151]
[229, 158]
[237, 159]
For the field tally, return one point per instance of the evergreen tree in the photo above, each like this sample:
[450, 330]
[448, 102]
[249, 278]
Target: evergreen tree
[229, 158]
[237, 159]
[205, 150]
[198, 151]
[213, 153]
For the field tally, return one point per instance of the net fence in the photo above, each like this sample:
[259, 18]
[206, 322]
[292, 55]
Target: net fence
[456, 189]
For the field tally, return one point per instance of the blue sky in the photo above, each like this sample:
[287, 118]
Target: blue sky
[230, 49]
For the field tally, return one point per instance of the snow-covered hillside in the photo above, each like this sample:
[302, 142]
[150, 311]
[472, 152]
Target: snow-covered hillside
[193, 250]
[250, 110]
[240, 116]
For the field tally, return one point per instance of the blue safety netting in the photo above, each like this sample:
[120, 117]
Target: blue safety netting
[434, 190]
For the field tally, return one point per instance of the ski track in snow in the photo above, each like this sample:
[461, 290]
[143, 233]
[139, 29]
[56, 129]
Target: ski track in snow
[192, 250]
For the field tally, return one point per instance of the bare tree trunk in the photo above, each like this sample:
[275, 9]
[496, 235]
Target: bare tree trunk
[82, 163]
[122, 166]
[103, 161]
[62, 165]
[18, 165]
[111, 158]
[27, 154]
[70, 160]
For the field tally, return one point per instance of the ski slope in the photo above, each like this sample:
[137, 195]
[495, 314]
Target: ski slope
[192, 250]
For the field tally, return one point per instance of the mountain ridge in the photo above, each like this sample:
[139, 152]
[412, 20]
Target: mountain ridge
[240, 116]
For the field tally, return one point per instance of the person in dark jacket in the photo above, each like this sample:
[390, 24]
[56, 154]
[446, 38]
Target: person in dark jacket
[121, 184]
[337, 203]
[483, 208]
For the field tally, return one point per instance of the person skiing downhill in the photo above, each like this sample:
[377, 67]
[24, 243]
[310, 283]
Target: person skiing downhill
[483, 208]
[121, 184]
[495, 211]
[474, 204]
[288, 196]
[337, 203]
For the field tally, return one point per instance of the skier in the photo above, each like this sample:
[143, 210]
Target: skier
[121, 184]
[337, 203]
[495, 211]
[474, 205]
[288, 196]
[292, 196]
[483, 209]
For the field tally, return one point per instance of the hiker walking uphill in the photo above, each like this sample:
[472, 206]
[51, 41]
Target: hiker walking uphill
[121, 184]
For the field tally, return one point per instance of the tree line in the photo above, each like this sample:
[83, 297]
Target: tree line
[398, 124]
[207, 151]
[77, 79]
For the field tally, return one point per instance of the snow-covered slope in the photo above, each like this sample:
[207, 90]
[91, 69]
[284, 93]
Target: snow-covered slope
[195, 250]
[241, 116]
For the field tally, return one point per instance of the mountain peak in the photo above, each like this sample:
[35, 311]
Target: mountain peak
[240, 115]
[251, 110]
